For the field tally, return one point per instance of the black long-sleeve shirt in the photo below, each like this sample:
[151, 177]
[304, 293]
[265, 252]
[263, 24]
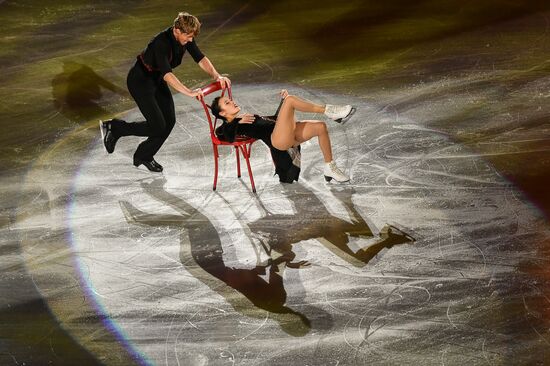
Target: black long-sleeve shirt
[261, 129]
[164, 52]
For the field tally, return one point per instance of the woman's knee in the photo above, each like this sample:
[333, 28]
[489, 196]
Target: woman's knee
[320, 128]
[290, 100]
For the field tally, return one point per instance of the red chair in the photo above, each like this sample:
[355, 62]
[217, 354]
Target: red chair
[241, 143]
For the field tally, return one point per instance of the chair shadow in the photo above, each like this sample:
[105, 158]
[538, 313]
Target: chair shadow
[77, 92]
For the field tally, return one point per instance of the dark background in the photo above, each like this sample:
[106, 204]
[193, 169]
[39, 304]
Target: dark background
[475, 70]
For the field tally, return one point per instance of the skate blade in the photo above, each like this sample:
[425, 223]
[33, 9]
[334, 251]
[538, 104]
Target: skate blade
[102, 130]
[350, 114]
[330, 179]
[143, 168]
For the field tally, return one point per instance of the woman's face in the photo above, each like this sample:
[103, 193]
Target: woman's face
[228, 108]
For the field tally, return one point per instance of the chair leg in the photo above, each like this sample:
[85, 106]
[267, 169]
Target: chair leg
[238, 162]
[247, 158]
[215, 167]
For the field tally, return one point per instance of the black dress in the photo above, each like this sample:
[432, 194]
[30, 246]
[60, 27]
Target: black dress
[261, 129]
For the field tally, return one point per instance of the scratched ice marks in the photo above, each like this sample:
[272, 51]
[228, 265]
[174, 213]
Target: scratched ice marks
[193, 276]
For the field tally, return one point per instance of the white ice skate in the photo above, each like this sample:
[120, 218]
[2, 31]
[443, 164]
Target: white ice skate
[331, 171]
[339, 113]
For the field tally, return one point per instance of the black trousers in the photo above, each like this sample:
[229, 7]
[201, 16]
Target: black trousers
[154, 100]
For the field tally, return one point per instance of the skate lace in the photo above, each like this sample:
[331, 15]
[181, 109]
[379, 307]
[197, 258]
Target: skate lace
[335, 169]
[336, 109]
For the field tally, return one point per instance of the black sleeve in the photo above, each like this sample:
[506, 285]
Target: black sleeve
[161, 50]
[227, 131]
[194, 51]
[274, 117]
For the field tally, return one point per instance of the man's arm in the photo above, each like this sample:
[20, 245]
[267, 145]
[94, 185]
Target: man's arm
[174, 82]
[209, 68]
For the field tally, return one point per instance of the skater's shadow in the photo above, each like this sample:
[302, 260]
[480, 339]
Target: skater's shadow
[312, 220]
[201, 253]
[77, 92]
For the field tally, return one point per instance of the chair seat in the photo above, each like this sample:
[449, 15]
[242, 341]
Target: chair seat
[239, 140]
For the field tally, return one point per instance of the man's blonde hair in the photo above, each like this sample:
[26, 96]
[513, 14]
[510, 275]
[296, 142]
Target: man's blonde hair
[187, 23]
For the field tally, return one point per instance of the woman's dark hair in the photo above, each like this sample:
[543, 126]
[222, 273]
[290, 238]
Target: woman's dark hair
[215, 108]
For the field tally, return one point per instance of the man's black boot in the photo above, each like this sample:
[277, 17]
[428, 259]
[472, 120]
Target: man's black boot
[152, 165]
[109, 140]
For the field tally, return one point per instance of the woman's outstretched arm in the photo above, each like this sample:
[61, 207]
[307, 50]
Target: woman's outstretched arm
[284, 94]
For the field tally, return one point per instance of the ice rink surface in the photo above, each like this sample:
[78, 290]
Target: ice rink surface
[301, 274]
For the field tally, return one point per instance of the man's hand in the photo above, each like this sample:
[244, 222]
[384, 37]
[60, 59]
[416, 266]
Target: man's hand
[197, 93]
[246, 118]
[224, 81]
[284, 93]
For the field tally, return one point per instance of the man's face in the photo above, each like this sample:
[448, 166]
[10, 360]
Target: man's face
[183, 37]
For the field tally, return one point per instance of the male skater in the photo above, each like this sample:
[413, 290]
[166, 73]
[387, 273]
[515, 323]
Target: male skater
[148, 82]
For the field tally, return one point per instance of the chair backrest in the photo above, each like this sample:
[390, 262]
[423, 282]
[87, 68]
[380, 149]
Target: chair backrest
[209, 89]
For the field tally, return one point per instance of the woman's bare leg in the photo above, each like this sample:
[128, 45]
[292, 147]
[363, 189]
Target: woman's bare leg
[282, 136]
[306, 130]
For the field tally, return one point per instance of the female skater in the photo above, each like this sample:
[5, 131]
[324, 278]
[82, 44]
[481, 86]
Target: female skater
[282, 132]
